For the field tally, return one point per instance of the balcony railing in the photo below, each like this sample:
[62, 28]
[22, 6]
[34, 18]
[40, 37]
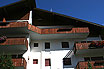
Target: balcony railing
[15, 41]
[90, 45]
[58, 30]
[94, 64]
[19, 62]
[13, 24]
[44, 31]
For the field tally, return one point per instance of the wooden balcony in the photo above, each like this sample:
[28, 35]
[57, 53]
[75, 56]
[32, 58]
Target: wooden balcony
[58, 30]
[13, 24]
[33, 28]
[22, 29]
[94, 64]
[14, 29]
[19, 62]
[15, 41]
[13, 45]
[90, 48]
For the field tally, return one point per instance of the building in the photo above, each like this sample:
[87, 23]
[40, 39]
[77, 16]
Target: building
[42, 39]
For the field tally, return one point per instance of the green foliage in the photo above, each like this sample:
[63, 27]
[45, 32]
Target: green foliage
[89, 65]
[6, 62]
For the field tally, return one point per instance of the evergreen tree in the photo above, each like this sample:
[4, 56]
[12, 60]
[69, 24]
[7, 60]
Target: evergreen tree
[6, 62]
[89, 65]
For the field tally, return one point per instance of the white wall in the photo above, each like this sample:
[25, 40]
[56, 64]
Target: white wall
[54, 45]
[56, 53]
[56, 59]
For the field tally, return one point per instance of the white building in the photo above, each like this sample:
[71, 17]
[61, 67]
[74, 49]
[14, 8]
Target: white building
[55, 41]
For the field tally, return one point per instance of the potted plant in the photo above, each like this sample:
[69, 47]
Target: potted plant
[96, 44]
[92, 45]
[3, 39]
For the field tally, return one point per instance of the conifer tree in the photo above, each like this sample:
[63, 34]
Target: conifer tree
[6, 62]
[89, 65]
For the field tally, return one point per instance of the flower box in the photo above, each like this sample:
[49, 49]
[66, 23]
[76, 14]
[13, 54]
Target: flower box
[3, 39]
[96, 44]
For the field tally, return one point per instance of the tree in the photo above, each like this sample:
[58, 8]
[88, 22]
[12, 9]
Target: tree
[89, 65]
[6, 62]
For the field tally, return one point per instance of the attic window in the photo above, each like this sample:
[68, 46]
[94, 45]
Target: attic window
[63, 30]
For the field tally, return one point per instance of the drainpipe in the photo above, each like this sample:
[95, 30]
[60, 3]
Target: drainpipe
[41, 60]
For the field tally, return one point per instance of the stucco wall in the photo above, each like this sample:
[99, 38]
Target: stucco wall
[56, 53]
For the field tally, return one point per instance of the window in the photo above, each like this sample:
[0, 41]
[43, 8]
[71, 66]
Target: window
[17, 56]
[35, 44]
[20, 56]
[47, 45]
[65, 45]
[96, 58]
[93, 58]
[13, 56]
[89, 41]
[35, 61]
[83, 41]
[66, 61]
[87, 58]
[47, 62]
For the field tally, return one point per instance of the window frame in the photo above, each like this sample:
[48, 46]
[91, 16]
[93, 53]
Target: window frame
[46, 47]
[94, 58]
[49, 61]
[36, 45]
[65, 44]
[35, 61]
[67, 61]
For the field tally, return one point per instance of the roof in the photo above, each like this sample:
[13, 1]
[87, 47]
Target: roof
[17, 10]
[46, 18]
[40, 14]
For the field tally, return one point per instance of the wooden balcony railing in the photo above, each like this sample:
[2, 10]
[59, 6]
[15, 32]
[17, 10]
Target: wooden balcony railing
[80, 46]
[15, 41]
[19, 62]
[44, 31]
[13, 24]
[94, 64]
[91, 45]
[56, 30]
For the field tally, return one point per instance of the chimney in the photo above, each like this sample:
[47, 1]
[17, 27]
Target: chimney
[4, 20]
